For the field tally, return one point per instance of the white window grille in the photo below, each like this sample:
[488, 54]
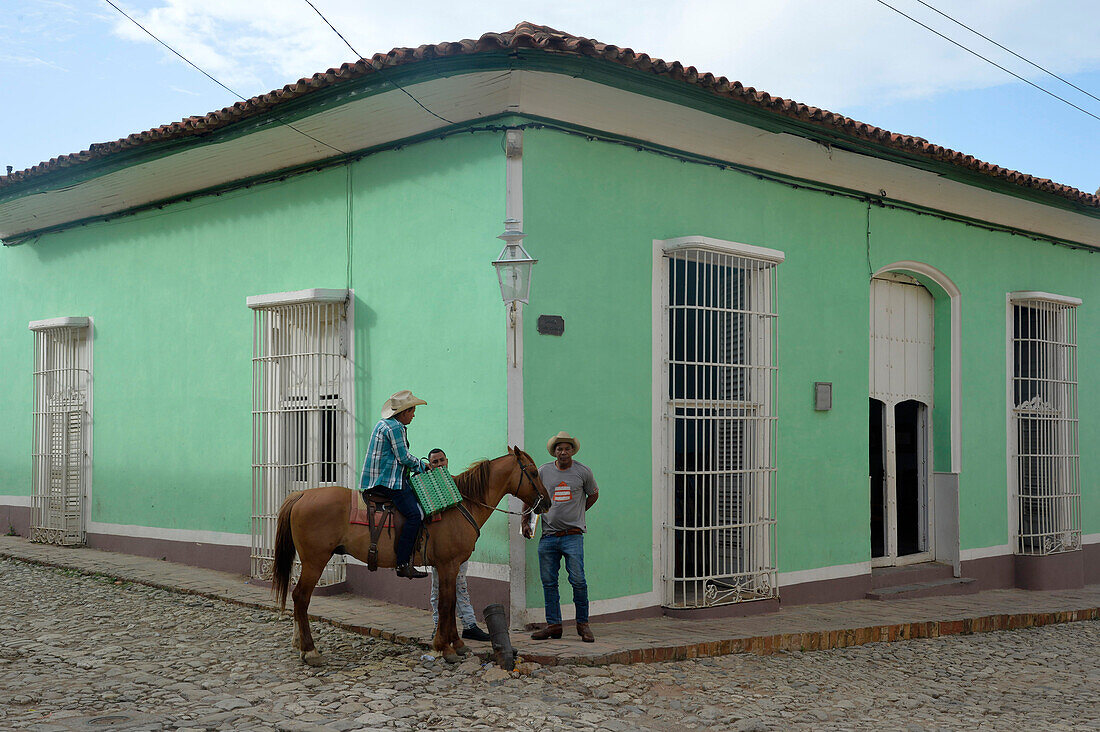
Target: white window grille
[1043, 435]
[720, 542]
[301, 424]
[62, 430]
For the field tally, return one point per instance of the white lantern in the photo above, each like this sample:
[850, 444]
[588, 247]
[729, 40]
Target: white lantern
[514, 265]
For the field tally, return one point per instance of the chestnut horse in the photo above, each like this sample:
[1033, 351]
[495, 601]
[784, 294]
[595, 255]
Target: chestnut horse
[315, 522]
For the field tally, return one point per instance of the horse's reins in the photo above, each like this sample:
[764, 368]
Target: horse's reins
[525, 512]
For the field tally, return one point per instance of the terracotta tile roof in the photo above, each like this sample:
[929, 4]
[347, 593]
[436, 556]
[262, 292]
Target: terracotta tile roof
[543, 38]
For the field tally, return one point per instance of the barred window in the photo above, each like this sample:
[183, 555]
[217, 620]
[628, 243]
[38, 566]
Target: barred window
[301, 425]
[62, 429]
[720, 422]
[1043, 434]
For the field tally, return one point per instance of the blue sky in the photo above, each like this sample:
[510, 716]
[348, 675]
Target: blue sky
[74, 72]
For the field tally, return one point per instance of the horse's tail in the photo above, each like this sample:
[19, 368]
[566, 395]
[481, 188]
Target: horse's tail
[284, 552]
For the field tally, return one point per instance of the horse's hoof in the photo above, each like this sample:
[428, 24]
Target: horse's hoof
[451, 657]
[463, 651]
[313, 658]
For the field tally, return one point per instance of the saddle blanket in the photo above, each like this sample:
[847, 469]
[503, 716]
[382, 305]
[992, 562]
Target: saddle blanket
[359, 513]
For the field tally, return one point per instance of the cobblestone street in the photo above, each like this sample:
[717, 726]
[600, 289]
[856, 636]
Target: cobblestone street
[81, 652]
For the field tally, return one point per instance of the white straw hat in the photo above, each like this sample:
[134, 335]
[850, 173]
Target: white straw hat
[399, 402]
[563, 437]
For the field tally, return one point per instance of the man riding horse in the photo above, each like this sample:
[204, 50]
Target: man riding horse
[386, 469]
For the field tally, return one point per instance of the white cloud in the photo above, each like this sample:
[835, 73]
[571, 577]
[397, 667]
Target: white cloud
[829, 54]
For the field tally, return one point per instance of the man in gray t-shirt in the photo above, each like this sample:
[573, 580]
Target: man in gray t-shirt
[572, 490]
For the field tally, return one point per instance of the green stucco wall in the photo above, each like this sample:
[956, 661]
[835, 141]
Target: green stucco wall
[172, 369]
[173, 336]
[592, 210]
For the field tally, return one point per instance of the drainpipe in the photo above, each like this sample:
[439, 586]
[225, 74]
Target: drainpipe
[517, 549]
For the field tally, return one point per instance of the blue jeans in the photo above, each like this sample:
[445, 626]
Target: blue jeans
[551, 551]
[405, 502]
[462, 598]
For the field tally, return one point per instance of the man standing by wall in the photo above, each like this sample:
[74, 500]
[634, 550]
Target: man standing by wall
[438, 459]
[573, 490]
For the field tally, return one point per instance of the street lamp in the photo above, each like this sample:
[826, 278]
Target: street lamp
[513, 265]
[514, 274]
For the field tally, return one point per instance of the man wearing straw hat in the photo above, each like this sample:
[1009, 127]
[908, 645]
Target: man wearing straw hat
[385, 471]
[573, 491]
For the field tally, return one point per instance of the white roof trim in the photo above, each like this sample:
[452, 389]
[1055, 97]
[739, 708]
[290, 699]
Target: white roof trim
[70, 322]
[1022, 295]
[723, 247]
[294, 298]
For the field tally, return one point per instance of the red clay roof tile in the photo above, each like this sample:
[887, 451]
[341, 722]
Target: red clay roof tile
[529, 35]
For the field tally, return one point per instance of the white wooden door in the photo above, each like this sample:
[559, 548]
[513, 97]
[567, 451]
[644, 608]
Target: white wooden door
[902, 373]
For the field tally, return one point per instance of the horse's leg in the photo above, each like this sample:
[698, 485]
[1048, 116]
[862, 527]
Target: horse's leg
[447, 640]
[311, 572]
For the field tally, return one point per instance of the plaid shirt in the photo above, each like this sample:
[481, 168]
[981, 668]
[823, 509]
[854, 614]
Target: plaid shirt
[387, 457]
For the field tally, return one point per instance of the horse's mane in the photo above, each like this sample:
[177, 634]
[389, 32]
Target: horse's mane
[474, 481]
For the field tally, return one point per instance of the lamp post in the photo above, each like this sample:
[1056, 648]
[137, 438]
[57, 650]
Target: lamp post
[514, 275]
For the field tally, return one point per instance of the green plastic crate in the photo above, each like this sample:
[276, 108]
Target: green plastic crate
[436, 490]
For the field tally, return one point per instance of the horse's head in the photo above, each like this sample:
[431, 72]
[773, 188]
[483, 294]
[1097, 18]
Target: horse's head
[529, 488]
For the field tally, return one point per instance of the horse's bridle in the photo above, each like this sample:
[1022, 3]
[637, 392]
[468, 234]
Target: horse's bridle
[524, 474]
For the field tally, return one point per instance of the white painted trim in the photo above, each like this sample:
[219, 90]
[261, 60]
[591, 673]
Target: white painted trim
[604, 607]
[1013, 512]
[21, 501]
[576, 101]
[659, 424]
[723, 247]
[188, 535]
[294, 298]
[513, 350]
[1090, 538]
[1023, 295]
[984, 552]
[839, 571]
[68, 322]
[348, 388]
[89, 434]
[955, 296]
[498, 572]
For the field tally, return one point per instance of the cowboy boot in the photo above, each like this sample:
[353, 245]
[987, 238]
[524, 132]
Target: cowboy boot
[409, 571]
[585, 632]
[550, 631]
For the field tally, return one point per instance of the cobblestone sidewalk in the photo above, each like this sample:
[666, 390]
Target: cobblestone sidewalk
[808, 627]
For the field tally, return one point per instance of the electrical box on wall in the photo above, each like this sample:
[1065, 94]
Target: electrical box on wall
[823, 395]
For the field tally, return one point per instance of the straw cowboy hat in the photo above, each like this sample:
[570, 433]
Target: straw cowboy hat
[563, 437]
[399, 402]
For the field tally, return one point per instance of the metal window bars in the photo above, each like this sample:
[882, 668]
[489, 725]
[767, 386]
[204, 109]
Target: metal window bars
[300, 424]
[720, 539]
[61, 418]
[1045, 418]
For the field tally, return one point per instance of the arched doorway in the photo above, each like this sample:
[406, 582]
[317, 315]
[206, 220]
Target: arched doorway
[902, 373]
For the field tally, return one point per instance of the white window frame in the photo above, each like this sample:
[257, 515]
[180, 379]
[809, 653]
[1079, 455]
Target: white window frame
[59, 512]
[757, 582]
[303, 375]
[1058, 457]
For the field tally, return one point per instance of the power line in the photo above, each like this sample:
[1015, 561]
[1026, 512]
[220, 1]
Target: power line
[379, 70]
[208, 76]
[983, 58]
[1009, 50]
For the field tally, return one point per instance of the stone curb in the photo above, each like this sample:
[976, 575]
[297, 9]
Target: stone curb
[760, 645]
[766, 645]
